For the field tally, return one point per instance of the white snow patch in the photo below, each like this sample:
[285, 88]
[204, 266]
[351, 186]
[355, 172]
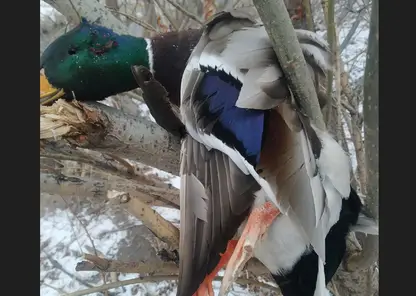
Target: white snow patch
[66, 241]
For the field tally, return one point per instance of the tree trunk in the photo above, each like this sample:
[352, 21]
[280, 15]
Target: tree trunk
[371, 128]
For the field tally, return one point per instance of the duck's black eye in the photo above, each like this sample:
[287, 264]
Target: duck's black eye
[72, 51]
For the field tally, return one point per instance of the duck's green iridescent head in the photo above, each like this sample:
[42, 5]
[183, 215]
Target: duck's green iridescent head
[91, 62]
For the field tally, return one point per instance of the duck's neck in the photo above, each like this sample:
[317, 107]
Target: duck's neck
[168, 54]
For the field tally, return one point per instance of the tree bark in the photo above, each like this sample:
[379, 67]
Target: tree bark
[109, 130]
[70, 185]
[282, 34]
[369, 253]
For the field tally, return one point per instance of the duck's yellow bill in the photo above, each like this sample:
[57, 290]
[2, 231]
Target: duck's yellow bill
[48, 94]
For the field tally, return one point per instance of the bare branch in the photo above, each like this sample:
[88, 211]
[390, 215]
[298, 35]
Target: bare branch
[346, 105]
[95, 263]
[185, 12]
[60, 291]
[91, 10]
[69, 186]
[166, 14]
[135, 20]
[337, 63]
[112, 4]
[106, 163]
[161, 228]
[282, 34]
[351, 33]
[123, 283]
[102, 275]
[108, 130]
[162, 278]
[57, 265]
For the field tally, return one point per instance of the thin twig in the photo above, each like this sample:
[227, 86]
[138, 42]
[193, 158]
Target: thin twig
[351, 33]
[346, 105]
[185, 12]
[167, 266]
[76, 11]
[95, 263]
[161, 278]
[57, 265]
[337, 73]
[354, 58]
[125, 163]
[135, 20]
[59, 290]
[166, 14]
[88, 235]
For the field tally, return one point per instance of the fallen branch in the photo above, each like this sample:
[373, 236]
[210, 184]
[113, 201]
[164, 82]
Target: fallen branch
[282, 34]
[108, 130]
[162, 278]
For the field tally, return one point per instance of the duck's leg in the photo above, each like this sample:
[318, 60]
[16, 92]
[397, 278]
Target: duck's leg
[259, 220]
[205, 289]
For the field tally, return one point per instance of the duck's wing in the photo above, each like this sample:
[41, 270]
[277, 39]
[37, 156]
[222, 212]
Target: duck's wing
[215, 198]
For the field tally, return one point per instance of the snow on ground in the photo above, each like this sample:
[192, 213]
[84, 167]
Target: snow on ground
[64, 240]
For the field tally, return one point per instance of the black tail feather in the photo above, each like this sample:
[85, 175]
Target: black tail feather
[301, 280]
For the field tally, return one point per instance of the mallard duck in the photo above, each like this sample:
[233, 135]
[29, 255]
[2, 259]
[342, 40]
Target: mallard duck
[254, 167]
[92, 62]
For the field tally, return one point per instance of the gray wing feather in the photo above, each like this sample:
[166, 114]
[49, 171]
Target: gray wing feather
[215, 198]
